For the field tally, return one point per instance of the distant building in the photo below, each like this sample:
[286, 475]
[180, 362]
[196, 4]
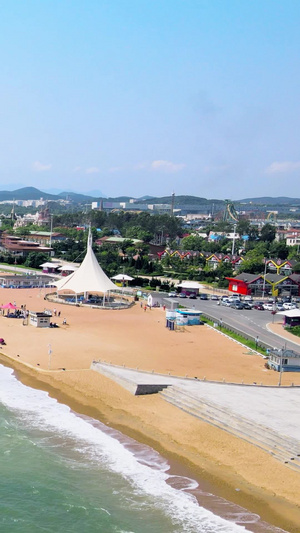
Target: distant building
[29, 281]
[44, 237]
[18, 246]
[260, 284]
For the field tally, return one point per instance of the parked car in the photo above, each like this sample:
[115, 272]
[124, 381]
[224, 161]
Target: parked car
[287, 306]
[268, 306]
[193, 296]
[182, 295]
[227, 303]
[296, 299]
[286, 299]
[259, 306]
[214, 297]
[279, 307]
[237, 305]
[234, 298]
[247, 305]
[203, 296]
[248, 298]
[172, 294]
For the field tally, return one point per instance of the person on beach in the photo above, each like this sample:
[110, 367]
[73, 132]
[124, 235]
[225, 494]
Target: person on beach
[64, 322]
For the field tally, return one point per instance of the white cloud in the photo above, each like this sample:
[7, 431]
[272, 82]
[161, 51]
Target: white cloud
[40, 167]
[114, 169]
[210, 169]
[92, 170]
[282, 167]
[167, 166]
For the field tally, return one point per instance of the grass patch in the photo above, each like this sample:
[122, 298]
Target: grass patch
[247, 342]
[23, 267]
[294, 330]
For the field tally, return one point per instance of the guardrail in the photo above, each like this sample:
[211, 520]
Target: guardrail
[222, 324]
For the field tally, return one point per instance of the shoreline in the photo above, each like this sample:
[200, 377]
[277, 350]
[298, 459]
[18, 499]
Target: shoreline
[216, 478]
[235, 469]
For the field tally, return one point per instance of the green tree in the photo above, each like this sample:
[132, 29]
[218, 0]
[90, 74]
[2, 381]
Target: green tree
[296, 268]
[278, 249]
[268, 233]
[192, 242]
[36, 259]
[243, 227]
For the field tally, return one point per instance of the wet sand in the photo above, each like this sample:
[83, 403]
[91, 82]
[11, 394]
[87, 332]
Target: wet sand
[139, 339]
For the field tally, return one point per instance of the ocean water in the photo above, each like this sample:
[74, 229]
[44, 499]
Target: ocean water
[62, 472]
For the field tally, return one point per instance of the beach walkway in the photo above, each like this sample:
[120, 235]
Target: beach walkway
[271, 423]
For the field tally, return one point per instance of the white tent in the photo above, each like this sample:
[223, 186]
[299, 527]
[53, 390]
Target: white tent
[122, 277]
[88, 278]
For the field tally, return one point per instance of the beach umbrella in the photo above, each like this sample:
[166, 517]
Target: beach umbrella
[9, 306]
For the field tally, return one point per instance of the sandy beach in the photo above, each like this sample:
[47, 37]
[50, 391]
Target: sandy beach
[137, 338]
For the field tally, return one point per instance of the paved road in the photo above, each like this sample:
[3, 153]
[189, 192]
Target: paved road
[251, 322]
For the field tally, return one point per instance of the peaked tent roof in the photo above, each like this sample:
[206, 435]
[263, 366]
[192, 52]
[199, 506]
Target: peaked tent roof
[121, 277]
[89, 277]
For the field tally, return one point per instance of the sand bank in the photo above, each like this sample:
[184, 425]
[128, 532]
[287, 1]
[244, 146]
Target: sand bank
[137, 338]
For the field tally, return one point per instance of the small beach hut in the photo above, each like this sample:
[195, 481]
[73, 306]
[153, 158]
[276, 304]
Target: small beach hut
[291, 317]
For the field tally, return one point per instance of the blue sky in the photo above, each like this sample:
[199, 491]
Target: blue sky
[140, 97]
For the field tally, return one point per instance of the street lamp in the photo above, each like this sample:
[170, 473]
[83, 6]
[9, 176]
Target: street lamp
[280, 370]
[51, 231]
[233, 240]
[264, 283]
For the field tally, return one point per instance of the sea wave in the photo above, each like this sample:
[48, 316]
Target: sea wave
[145, 469]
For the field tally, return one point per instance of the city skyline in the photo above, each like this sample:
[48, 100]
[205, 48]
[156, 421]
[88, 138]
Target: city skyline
[138, 98]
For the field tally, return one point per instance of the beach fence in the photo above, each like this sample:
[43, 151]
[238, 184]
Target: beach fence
[219, 324]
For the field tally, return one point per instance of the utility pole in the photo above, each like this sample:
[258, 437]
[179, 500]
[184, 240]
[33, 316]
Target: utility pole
[51, 229]
[172, 203]
[233, 240]
[264, 283]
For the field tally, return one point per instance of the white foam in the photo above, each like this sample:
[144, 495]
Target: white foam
[43, 412]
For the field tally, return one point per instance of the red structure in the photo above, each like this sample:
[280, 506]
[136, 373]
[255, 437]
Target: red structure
[240, 285]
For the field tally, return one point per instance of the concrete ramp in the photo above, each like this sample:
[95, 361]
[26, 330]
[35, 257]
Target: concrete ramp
[136, 382]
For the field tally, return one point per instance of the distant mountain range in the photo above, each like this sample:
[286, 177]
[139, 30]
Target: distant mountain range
[31, 193]
[268, 200]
